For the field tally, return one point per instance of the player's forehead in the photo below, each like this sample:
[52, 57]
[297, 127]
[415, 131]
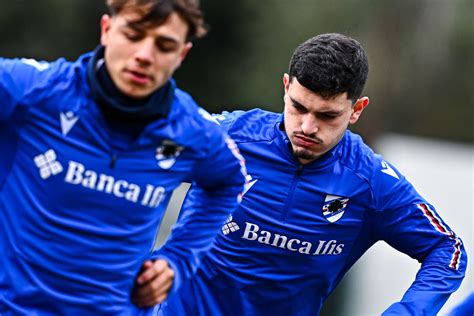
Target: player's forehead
[173, 27]
[138, 17]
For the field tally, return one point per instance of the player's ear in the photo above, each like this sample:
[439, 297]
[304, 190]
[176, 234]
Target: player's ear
[357, 109]
[286, 82]
[187, 47]
[105, 22]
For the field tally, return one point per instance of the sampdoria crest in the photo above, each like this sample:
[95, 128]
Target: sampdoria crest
[167, 153]
[334, 207]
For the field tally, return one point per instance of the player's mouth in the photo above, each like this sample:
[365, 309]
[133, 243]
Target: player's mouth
[304, 141]
[138, 77]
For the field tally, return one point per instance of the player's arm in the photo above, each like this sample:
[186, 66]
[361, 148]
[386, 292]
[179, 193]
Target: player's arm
[211, 198]
[219, 180]
[411, 225]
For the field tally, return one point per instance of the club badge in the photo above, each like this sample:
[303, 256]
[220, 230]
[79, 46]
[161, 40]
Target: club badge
[167, 153]
[334, 207]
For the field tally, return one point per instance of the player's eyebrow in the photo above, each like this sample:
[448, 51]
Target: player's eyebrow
[296, 102]
[330, 112]
[141, 29]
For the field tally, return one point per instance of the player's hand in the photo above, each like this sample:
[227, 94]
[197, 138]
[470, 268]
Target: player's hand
[153, 283]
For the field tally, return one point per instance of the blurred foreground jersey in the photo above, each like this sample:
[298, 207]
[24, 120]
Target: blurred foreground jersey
[301, 227]
[78, 217]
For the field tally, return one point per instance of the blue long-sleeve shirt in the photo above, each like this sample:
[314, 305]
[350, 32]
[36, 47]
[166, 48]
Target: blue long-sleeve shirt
[78, 214]
[300, 228]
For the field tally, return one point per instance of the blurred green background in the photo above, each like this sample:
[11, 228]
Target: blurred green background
[421, 54]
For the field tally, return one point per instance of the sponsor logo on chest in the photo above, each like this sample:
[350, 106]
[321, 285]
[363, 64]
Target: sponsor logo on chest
[253, 232]
[76, 174]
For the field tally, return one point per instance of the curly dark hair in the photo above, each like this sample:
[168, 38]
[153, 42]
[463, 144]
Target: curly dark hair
[330, 64]
[155, 12]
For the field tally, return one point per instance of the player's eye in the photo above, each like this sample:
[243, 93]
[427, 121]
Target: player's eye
[299, 108]
[167, 46]
[328, 116]
[133, 36]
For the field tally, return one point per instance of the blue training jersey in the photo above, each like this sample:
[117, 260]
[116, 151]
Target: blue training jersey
[300, 228]
[78, 216]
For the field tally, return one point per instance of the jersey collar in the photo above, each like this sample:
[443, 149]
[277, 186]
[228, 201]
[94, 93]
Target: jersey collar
[118, 107]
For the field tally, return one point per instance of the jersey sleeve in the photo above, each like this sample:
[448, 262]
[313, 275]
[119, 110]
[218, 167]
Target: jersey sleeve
[215, 192]
[411, 225]
[18, 78]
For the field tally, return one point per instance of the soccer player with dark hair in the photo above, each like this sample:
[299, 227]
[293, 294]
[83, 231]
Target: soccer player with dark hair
[91, 151]
[317, 199]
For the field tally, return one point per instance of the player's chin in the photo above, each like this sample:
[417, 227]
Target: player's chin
[305, 154]
[139, 92]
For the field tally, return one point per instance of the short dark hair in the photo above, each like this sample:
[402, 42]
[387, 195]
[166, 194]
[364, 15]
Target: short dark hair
[155, 12]
[330, 64]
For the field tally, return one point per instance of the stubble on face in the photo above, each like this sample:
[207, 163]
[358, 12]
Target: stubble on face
[302, 153]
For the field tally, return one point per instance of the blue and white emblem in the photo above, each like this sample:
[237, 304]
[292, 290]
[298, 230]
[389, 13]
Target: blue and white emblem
[167, 153]
[334, 207]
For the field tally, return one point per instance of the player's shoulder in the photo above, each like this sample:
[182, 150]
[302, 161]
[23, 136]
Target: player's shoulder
[359, 157]
[34, 72]
[252, 125]
[388, 186]
[184, 108]
[30, 81]
[193, 125]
